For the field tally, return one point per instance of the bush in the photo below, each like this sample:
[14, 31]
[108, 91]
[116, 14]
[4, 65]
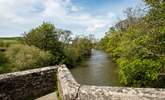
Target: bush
[139, 72]
[23, 57]
[3, 45]
[77, 51]
[83, 45]
[72, 56]
[3, 64]
[2, 58]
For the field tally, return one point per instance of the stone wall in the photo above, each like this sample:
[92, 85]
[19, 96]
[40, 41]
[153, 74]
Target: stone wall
[37, 82]
[71, 90]
[24, 85]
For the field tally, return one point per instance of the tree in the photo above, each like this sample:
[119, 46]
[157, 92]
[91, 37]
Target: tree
[46, 37]
[65, 37]
[139, 48]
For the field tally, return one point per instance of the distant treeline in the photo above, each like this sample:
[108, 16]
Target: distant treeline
[42, 46]
[137, 44]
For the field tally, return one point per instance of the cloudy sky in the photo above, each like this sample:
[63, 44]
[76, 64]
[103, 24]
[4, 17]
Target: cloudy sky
[80, 16]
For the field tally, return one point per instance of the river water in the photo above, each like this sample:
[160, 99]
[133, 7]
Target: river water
[97, 70]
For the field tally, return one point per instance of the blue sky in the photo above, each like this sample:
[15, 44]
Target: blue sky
[80, 16]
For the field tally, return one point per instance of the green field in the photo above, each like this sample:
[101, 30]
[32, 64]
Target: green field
[7, 41]
[10, 39]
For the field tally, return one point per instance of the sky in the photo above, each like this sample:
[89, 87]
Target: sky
[82, 17]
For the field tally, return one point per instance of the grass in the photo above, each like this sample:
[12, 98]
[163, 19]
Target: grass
[58, 91]
[4, 68]
[10, 40]
[4, 43]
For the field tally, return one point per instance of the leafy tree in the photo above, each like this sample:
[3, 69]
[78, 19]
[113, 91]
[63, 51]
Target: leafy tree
[46, 37]
[139, 47]
[83, 45]
[58, 42]
[77, 50]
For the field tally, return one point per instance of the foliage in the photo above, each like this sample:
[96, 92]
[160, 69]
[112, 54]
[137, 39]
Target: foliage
[72, 56]
[46, 37]
[4, 45]
[23, 57]
[139, 72]
[42, 46]
[57, 41]
[75, 52]
[5, 42]
[2, 58]
[138, 46]
[3, 63]
[83, 45]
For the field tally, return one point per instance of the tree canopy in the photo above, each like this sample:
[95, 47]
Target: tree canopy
[138, 45]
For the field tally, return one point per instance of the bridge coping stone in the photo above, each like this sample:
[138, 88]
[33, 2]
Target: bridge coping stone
[70, 89]
[19, 85]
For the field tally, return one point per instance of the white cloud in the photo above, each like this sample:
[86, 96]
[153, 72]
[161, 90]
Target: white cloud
[75, 8]
[21, 15]
[94, 27]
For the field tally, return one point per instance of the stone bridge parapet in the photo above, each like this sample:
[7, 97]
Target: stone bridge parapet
[71, 90]
[36, 82]
[25, 85]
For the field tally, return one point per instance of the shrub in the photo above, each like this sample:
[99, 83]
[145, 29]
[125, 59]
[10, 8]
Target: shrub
[3, 64]
[1, 43]
[23, 57]
[72, 56]
[2, 58]
[139, 72]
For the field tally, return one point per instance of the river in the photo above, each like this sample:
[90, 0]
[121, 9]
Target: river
[97, 70]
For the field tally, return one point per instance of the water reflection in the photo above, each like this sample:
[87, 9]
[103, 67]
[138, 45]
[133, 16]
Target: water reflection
[97, 70]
